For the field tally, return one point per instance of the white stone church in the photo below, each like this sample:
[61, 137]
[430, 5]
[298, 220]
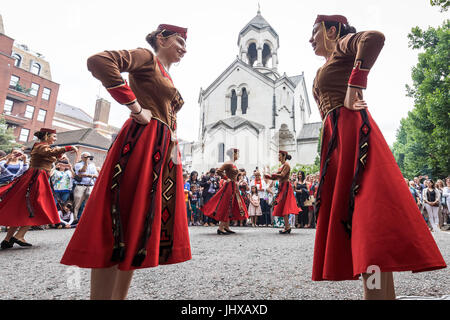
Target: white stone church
[250, 106]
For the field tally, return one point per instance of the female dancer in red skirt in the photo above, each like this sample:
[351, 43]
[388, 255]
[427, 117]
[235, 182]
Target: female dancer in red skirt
[28, 200]
[285, 203]
[136, 215]
[227, 204]
[359, 227]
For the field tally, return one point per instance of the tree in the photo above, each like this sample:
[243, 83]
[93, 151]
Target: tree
[444, 4]
[423, 139]
[7, 138]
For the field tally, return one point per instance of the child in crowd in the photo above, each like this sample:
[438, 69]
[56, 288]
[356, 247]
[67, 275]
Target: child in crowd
[254, 208]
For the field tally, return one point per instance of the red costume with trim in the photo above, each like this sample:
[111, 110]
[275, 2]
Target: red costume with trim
[360, 223]
[136, 214]
[28, 200]
[227, 204]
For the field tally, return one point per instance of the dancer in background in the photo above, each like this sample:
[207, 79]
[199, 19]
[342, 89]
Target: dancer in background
[136, 214]
[359, 227]
[284, 204]
[227, 204]
[28, 200]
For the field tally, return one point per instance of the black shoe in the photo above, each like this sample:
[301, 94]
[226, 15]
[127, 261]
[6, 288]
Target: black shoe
[229, 231]
[20, 243]
[221, 232]
[6, 244]
[286, 231]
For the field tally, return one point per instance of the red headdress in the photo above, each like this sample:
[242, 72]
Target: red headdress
[48, 130]
[333, 18]
[174, 29]
[283, 152]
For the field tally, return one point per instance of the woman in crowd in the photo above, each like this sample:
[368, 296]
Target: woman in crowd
[440, 188]
[431, 199]
[261, 186]
[13, 166]
[136, 215]
[254, 208]
[284, 203]
[352, 233]
[227, 204]
[302, 194]
[28, 200]
[446, 196]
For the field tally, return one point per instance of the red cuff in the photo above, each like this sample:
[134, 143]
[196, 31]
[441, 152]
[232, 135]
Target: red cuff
[68, 148]
[122, 94]
[358, 77]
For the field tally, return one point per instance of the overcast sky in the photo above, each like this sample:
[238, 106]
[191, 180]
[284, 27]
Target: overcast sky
[68, 32]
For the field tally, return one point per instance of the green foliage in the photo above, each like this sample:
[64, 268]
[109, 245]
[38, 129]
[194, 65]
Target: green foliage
[423, 139]
[444, 4]
[7, 138]
[307, 168]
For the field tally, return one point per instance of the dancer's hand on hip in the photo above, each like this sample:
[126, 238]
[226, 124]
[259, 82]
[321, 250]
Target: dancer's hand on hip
[139, 114]
[354, 99]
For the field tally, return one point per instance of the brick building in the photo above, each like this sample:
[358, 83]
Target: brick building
[27, 93]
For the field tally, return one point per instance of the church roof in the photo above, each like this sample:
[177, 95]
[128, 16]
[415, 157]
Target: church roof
[259, 23]
[310, 131]
[236, 122]
[296, 79]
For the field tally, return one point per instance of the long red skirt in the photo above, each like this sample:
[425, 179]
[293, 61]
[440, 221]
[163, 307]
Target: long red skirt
[285, 202]
[91, 244]
[227, 204]
[14, 211]
[387, 230]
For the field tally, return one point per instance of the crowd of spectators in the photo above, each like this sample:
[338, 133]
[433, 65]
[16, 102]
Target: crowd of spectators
[433, 199]
[258, 194]
[72, 185]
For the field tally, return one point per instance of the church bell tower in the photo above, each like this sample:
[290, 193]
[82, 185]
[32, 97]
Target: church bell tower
[258, 45]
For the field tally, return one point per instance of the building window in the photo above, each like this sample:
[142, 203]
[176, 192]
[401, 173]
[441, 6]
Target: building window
[17, 59]
[24, 133]
[244, 101]
[29, 112]
[8, 106]
[46, 94]
[233, 102]
[14, 81]
[221, 152]
[36, 68]
[34, 89]
[41, 115]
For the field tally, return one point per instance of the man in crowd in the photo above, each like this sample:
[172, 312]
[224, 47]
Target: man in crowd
[85, 175]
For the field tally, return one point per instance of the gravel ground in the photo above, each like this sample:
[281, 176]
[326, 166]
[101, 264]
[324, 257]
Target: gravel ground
[253, 264]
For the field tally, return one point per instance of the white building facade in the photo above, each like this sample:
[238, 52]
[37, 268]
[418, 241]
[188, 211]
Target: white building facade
[250, 106]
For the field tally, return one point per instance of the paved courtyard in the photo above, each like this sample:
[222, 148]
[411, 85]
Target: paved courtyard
[254, 263]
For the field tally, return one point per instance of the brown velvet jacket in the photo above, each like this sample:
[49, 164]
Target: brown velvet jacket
[43, 156]
[152, 90]
[331, 82]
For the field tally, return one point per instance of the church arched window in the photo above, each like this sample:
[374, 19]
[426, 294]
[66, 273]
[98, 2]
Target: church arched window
[244, 101]
[266, 55]
[221, 152]
[233, 102]
[252, 54]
